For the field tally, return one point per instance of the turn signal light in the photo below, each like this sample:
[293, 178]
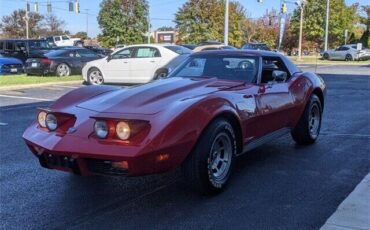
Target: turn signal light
[163, 157]
[120, 164]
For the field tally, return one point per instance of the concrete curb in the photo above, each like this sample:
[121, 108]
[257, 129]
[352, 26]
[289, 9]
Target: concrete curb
[354, 211]
[13, 87]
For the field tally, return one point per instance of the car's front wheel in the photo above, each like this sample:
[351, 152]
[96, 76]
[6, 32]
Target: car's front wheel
[207, 169]
[95, 77]
[325, 56]
[308, 127]
[63, 70]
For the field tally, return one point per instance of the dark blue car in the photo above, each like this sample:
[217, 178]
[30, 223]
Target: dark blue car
[10, 66]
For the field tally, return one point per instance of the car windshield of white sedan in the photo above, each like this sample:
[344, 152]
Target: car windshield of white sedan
[228, 68]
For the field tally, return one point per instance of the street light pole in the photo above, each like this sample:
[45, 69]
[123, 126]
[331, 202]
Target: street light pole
[26, 19]
[327, 23]
[300, 33]
[87, 23]
[226, 26]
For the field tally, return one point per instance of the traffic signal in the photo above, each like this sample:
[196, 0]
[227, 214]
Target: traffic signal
[36, 7]
[284, 8]
[77, 7]
[48, 7]
[70, 6]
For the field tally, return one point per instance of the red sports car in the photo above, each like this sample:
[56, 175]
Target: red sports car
[213, 107]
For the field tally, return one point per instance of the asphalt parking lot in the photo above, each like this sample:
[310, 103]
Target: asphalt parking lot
[276, 186]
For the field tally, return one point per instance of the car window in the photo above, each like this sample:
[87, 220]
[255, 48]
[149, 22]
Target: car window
[222, 67]
[269, 65]
[65, 37]
[85, 53]
[179, 49]
[210, 48]
[147, 52]
[1, 45]
[125, 53]
[38, 44]
[9, 45]
[57, 39]
[20, 45]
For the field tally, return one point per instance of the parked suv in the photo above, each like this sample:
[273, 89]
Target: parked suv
[64, 40]
[23, 48]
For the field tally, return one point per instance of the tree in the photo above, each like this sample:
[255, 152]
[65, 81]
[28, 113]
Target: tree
[53, 25]
[342, 17]
[199, 20]
[81, 34]
[123, 19]
[165, 28]
[14, 25]
[365, 20]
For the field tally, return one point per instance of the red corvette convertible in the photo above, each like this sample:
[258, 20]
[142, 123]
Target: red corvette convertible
[214, 106]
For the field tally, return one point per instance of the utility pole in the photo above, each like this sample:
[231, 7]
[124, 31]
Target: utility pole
[26, 18]
[301, 5]
[87, 23]
[327, 23]
[226, 26]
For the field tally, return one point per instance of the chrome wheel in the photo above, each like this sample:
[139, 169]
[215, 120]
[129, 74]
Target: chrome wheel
[96, 78]
[314, 120]
[63, 70]
[219, 160]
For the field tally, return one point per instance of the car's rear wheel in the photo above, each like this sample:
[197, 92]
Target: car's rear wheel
[95, 77]
[208, 168]
[63, 70]
[348, 57]
[326, 56]
[308, 128]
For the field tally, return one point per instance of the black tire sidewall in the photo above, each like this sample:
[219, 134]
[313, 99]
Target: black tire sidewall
[201, 164]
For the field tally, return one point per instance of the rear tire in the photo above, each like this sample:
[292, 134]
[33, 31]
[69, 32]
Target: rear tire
[63, 70]
[348, 57]
[95, 77]
[326, 56]
[308, 128]
[208, 168]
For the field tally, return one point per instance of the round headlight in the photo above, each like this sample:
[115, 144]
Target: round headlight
[41, 118]
[51, 122]
[101, 129]
[123, 130]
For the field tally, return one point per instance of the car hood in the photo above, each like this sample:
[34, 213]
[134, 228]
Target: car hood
[154, 97]
[4, 61]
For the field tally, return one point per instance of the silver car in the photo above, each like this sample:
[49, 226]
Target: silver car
[347, 53]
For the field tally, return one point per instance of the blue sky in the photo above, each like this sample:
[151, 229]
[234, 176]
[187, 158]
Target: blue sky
[161, 11]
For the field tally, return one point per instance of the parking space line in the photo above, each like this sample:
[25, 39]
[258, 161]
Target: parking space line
[3, 124]
[346, 134]
[28, 98]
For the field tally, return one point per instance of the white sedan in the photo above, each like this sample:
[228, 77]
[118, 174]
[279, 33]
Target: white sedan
[132, 64]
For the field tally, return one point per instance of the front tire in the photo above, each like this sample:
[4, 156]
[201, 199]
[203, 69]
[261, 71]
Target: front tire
[308, 128]
[95, 77]
[326, 56]
[208, 168]
[63, 70]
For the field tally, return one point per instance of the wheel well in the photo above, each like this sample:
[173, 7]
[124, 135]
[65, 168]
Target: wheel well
[234, 121]
[319, 93]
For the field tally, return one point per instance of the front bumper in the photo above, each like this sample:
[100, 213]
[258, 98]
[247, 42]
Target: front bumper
[87, 156]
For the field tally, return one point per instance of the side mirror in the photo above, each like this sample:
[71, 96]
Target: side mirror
[279, 76]
[109, 57]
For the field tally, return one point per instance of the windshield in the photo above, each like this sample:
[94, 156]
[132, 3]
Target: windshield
[179, 49]
[39, 44]
[239, 68]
